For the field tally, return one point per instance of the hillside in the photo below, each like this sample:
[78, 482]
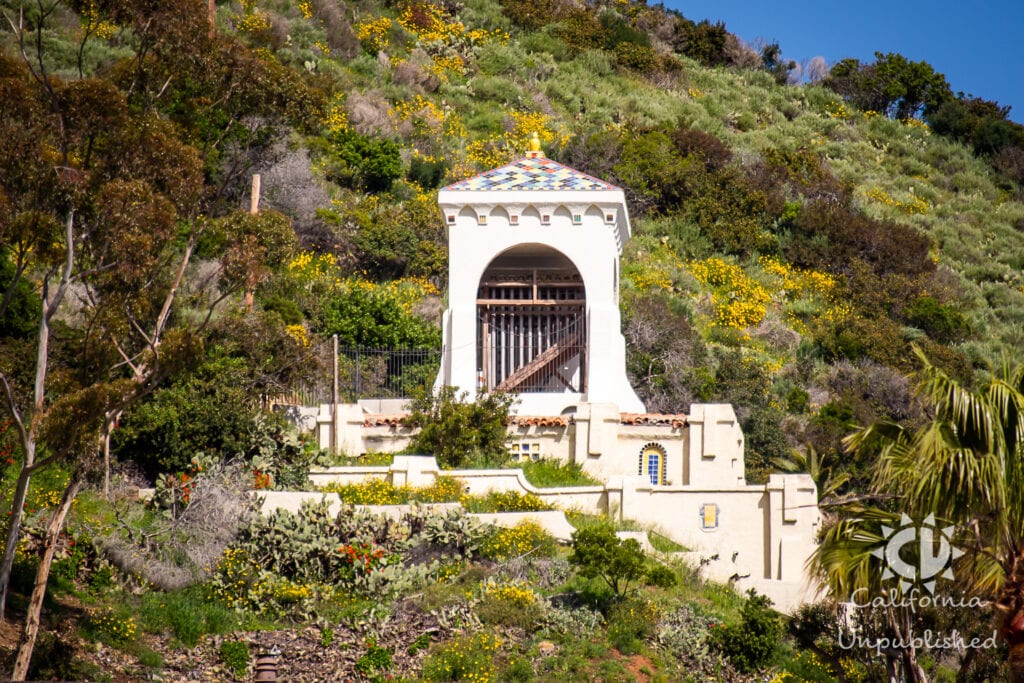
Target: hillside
[794, 246]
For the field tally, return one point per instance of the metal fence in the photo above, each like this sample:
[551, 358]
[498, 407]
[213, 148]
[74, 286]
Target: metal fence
[364, 372]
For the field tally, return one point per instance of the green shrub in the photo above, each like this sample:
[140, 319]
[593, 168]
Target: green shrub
[235, 655]
[365, 315]
[210, 412]
[639, 58]
[630, 622]
[943, 323]
[750, 644]
[661, 576]
[459, 433]
[112, 628]
[530, 14]
[54, 660]
[509, 604]
[364, 162]
[376, 659]
[854, 338]
[598, 552]
[19, 318]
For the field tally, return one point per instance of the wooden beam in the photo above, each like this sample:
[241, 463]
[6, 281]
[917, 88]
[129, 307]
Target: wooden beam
[568, 303]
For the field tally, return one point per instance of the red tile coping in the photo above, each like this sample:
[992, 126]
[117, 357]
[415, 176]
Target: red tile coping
[395, 420]
[540, 420]
[677, 420]
[635, 419]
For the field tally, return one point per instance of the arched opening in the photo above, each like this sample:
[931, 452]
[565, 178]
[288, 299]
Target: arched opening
[531, 322]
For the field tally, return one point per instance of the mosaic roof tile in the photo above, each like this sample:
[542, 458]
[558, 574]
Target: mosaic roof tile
[532, 174]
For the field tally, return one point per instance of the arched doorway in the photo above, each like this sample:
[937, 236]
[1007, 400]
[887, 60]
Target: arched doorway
[531, 322]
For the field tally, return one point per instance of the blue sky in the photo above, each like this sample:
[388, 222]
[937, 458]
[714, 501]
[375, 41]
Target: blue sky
[979, 45]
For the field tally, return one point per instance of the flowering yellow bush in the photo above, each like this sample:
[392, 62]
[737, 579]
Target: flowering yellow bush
[465, 658]
[429, 22]
[444, 65]
[798, 282]
[383, 492]
[306, 9]
[336, 119]
[837, 110]
[519, 540]
[426, 117]
[498, 150]
[115, 629]
[319, 272]
[516, 592]
[299, 334]
[252, 19]
[918, 124]
[739, 301]
[373, 34]
[94, 24]
[914, 206]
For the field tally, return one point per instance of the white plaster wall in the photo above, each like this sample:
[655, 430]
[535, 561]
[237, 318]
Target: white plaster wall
[763, 537]
[715, 446]
[593, 246]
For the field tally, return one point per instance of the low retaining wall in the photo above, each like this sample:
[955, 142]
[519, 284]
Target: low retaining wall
[552, 521]
[759, 536]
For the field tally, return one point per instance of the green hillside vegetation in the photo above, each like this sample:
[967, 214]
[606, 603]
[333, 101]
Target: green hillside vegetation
[798, 250]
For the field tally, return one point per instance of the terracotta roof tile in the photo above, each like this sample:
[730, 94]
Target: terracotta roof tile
[677, 420]
[395, 420]
[540, 420]
[636, 419]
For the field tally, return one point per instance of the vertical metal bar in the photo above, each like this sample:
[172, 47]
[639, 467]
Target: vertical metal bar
[358, 378]
[485, 337]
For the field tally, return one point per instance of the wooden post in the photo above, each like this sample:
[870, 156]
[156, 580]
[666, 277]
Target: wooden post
[212, 10]
[254, 199]
[254, 209]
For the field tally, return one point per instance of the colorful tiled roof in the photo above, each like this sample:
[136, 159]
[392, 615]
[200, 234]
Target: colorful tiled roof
[533, 174]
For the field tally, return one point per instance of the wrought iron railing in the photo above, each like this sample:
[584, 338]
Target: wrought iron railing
[365, 372]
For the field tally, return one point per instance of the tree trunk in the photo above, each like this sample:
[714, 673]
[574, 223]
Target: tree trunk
[109, 421]
[14, 529]
[35, 605]
[1015, 663]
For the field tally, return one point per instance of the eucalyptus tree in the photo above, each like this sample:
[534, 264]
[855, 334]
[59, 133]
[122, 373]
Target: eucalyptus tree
[102, 206]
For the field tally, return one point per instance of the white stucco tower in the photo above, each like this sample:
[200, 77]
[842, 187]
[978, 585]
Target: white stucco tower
[533, 294]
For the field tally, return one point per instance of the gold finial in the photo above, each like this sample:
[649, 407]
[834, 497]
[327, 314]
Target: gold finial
[533, 150]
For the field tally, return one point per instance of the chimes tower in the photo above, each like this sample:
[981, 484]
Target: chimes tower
[533, 297]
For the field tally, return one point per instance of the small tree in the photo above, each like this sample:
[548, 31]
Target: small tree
[459, 433]
[597, 551]
[750, 644]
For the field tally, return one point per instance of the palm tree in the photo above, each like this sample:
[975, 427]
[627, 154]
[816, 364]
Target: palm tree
[816, 465]
[964, 465]
[846, 561]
